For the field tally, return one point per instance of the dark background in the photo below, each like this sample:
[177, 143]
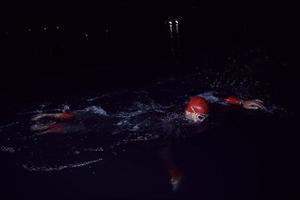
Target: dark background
[61, 46]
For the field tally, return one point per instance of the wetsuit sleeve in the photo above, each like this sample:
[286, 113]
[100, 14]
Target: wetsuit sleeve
[233, 100]
[221, 98]
[66, 116]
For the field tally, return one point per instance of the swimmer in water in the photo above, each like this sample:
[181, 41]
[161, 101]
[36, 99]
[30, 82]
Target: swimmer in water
[65, 122]
[52, 127]
[197, 111]
[197, 108]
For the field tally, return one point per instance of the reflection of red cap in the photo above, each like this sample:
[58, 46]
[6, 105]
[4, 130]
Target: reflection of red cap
[197, 105]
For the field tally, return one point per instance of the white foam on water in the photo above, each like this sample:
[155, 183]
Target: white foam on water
[132, 123]
[99, 149]
[62, 108]
[7, 149]
[274, 108]
[96, 109]
[9, 125]
[93, 99]
[135, 128]
[59, 168]
[38, 111]
[65, 108]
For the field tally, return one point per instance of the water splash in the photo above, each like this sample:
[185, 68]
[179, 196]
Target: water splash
[59, 168]
[9, 125]
[96, 109]
[138, 116]
[7, 149]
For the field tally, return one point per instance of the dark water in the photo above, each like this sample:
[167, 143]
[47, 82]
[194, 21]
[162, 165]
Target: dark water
[241, 155]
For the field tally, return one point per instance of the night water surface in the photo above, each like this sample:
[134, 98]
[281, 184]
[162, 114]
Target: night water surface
[236, 154]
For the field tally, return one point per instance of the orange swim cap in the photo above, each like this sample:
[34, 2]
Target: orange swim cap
[197, 105]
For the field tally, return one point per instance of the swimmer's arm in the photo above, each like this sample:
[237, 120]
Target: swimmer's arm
[60, 116]
[247, 104]
[214, 97]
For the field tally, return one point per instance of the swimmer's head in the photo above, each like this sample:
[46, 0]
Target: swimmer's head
[197, 109]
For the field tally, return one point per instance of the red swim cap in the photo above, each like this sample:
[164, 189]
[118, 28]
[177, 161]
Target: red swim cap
[197, 105]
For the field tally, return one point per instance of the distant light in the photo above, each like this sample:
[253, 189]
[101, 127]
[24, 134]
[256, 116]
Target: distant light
[45, 28]
[57, 27]
[176, 21]
[29, 30]
[106, 30]
[85, 34]
[170, 22]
